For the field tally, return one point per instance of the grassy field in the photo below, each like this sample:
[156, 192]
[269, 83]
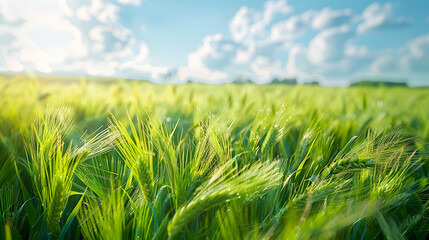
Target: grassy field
[84, 159]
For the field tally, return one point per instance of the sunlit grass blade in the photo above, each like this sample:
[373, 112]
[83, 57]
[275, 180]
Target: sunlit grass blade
[225, 185]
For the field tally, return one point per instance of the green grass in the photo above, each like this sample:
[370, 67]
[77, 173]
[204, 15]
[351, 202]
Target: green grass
[132, 160]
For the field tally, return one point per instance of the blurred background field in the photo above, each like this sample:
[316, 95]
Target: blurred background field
[349, 110]
[310, 162]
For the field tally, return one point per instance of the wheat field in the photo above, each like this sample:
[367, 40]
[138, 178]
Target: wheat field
[98, 159]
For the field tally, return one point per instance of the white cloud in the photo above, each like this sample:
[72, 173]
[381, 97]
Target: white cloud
[97, 9]
[319, 20]
[11, 65]
[384, 64]
[327, 18]
[74, 36]
[46, 40]
[291, 27]
[417, 57]
[380, 17]
[215, 52]
[265, 69]
[296, 61]
[410, 62]
[275, 7]
[244, 55]
[249, 22]
[109, 13]
[130, 2]
[136, 66]
[83, 13]
[330, 56]
[62, 4]
[111, 40]
[293, 24]
[316, 44]
[7, 13]
[86, 12]
[219, 58]
[329, 45]
[241, 24]
[143, 53]
[249, 51]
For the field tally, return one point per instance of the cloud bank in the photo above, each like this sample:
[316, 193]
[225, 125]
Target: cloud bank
[88, 37]
[64, 36]
[316, 45]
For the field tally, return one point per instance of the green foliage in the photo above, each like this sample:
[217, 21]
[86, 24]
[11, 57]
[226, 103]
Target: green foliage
[223, 186]
[212, 162]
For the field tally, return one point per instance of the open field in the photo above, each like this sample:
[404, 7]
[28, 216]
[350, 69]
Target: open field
[133, 160]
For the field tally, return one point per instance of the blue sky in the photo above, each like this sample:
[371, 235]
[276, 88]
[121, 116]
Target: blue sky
[331, 41]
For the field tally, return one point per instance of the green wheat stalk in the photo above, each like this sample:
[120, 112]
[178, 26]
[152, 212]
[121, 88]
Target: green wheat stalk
[224, 184]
